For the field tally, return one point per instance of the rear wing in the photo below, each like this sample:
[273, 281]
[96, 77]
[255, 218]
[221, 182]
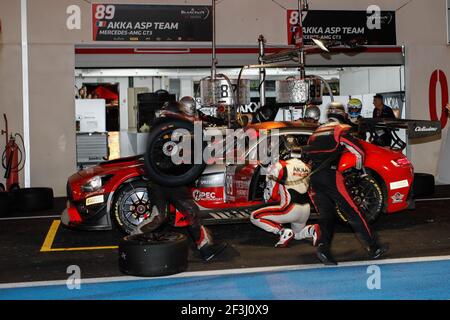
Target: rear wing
[414, 128]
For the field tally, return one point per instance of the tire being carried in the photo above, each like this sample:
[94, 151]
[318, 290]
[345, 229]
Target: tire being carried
[158, 160]
[153, 254]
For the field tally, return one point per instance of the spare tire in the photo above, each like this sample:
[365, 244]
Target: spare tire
[32, 199]
[423, 185]
[158, 161]
[5, 203]
[153, 254]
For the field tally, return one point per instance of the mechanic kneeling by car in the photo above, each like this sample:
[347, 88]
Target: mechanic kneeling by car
[324, 150]
[181, 199]
[287, 181]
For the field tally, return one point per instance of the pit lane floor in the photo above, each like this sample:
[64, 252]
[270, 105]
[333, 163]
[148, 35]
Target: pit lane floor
[423, 232]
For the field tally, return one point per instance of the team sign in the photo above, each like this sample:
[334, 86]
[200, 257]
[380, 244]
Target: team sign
[344, 27]
[123, 22]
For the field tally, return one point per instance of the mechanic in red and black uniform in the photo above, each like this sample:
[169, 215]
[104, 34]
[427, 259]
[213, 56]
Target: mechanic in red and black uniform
[324, 150]
[181, 199]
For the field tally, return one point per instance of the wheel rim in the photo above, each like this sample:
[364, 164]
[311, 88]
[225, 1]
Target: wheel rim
[135, 207]
[366, 194]
[367, 197]
[161, 151]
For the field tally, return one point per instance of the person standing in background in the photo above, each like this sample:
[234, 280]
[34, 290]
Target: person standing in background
[382, 111]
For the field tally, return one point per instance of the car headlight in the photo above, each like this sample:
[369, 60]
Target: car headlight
[95, 183]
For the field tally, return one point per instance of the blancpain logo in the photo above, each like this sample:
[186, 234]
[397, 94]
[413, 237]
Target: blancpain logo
[425, 129]
[197, 13]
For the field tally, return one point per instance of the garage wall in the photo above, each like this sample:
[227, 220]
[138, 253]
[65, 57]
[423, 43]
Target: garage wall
[10, 70]
[421, 26]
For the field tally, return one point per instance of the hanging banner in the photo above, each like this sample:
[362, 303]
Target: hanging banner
[344, 27]
[135, 22]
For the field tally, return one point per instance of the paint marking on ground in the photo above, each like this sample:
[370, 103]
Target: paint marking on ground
[50, 238]
[227, 272]
[30, 217]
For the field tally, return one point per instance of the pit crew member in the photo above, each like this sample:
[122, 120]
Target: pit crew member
[324, 149]
[287, 182]
[181, 199]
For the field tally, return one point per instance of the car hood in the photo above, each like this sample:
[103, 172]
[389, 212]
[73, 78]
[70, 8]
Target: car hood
[112, 166]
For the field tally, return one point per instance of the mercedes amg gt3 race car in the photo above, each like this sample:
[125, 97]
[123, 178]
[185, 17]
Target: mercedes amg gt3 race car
[115, 193]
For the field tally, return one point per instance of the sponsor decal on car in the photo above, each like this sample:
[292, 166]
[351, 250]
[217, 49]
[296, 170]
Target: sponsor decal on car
[397, 198]
[399, 184]
[95, 200]
[202, 195]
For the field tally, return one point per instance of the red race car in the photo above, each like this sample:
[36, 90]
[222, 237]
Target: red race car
[115, 193]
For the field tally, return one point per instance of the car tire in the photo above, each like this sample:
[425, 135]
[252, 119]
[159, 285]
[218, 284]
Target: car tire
[32, 199]
[158, 165]
[423, 185]
[5, 203]
[371, 211]
[127, 200]
[153, 254]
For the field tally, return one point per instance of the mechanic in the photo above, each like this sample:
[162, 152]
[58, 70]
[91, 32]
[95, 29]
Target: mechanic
[324, 149]
[181, 199]
[382, 111]
[188, 107]
[287, 182]
[312, 114]
[354, 108]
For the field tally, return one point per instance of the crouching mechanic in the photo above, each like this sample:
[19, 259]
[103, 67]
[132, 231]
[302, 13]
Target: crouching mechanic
[287, 182]
[181, 199]
[324, 149]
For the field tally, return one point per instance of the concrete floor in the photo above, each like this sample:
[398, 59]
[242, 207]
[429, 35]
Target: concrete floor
[422, 232]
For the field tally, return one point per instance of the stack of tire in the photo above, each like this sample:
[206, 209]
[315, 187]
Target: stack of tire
[423, 185]
[153, 254]
[25, 200]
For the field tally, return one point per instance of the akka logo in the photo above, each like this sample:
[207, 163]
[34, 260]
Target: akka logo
[438, 76]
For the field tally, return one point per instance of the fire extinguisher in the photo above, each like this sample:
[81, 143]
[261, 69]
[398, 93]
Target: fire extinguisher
[13, 159]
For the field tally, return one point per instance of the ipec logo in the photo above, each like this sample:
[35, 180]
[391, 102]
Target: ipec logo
[438, 76]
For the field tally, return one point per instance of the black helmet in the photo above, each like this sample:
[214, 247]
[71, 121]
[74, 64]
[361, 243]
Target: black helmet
[336, 112]
[312, 113]
[188, 106]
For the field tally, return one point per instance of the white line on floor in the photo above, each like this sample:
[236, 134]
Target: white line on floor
[30, 217]
[225, 272]
[432, 199]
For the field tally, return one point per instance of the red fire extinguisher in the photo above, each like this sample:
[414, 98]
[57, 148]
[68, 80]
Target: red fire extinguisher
[13, 159]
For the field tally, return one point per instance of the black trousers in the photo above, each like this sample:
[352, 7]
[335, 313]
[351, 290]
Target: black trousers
[328, 191]
[181, 199]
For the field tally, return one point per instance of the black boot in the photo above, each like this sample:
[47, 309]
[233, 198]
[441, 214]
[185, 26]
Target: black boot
[325, 256]
[209, 251]
[376, 251]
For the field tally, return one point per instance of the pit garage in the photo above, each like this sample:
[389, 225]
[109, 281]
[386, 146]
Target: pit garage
[133, 95]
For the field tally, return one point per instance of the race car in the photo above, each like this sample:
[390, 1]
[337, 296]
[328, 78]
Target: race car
[114, 193]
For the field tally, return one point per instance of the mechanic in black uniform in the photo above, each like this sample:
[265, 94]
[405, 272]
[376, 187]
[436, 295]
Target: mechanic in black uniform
[382, 111]
[324, 150]
[181, 197]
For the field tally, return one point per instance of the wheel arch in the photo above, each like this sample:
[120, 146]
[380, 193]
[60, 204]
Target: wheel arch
[117, 187]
